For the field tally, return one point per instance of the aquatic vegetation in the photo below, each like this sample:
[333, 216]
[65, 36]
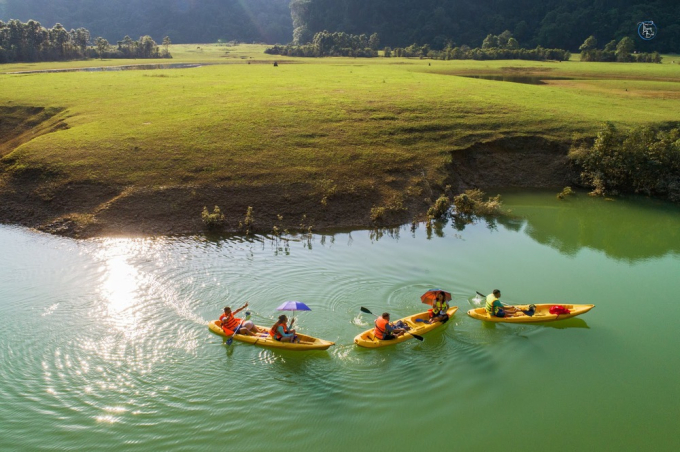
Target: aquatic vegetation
[472, 202]
[214, 220]
[440, 208]
[566, 191]
[248, 223]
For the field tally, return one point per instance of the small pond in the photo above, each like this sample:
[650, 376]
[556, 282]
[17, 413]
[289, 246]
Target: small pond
[133, 67]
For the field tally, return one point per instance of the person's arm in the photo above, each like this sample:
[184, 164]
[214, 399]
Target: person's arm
[389, 328]
[241, 308]
[283, 333]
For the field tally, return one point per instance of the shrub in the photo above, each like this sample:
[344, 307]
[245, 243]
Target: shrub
[472, 203]
[566, 191]
[213, 220]
[248, 224]
[440, 208]
[641, 160]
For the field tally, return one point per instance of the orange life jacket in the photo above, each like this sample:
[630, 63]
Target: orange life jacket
[274, 332]
[230, 322]
[380, 330]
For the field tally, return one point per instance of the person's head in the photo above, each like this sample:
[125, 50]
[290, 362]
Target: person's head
[440, 296]
[227, 310]
[386, 315]
[497, 293]
[283, 318]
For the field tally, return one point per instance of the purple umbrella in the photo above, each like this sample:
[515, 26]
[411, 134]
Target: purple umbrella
[293, 306]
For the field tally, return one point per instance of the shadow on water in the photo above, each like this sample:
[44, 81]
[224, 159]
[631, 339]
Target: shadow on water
[524, 79]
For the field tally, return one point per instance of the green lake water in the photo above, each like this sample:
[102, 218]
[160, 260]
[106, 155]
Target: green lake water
[104, 343]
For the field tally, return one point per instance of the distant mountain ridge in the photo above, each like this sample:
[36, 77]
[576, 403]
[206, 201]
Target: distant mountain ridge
[549, 23]
[185, 21]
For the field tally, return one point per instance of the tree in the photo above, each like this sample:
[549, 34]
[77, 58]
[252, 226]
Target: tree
[512, 44]
[611, 46]
[503, 39]
[589, 44]
[302, 35]
[625, 47]
[490, 42]
[166, 46]
[102, 46]
[374, 41]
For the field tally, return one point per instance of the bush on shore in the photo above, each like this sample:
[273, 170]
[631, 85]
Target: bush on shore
[641, 160]
[472, 202]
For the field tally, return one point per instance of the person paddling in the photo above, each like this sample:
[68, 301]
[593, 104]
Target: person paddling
[231, 323]
[384, 330]
[282, 333]
[495, 308]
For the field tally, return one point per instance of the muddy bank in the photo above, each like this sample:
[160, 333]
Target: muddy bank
[91, 209]
[512, 162]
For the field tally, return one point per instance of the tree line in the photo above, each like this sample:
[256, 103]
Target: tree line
[332, 44]
[622, 51]
[501, 47]
[31, 42]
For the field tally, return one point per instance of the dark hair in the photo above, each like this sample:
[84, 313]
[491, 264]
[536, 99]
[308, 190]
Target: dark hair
[282, 318]
[385, 315]
[496, 292]
[227, 307]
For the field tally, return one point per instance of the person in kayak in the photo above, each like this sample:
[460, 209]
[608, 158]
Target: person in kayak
[231, 323]
[283, 333]
[384, 330]
[439, 308]
[495, 308]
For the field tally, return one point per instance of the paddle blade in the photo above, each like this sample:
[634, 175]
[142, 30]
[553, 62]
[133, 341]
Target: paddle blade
[420, 338]
[366, 310]
[230, 340]
[481, 294]
[420, 320]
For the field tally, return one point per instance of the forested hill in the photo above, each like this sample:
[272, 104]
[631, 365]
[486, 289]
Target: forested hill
[185, 21]
[549, 23]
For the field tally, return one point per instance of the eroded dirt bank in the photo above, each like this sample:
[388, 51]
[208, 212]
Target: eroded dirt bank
[91, 209]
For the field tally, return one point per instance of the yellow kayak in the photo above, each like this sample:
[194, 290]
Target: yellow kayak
[542, 313]
[264, 339]
[366, 339]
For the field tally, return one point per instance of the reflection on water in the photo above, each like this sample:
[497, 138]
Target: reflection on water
[630, 229]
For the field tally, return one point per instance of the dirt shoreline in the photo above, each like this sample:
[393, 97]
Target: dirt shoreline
[86, 210]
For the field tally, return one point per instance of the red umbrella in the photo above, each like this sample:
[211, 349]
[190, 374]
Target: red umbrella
[430, 296]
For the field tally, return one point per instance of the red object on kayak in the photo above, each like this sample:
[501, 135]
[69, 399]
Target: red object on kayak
[559, 310]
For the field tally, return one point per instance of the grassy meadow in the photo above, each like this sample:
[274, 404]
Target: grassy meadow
[335, 124]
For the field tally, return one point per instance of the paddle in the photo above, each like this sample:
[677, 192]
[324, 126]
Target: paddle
[420, 338]
[231, 339]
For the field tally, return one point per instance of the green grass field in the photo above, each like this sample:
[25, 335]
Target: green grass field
[337, 122]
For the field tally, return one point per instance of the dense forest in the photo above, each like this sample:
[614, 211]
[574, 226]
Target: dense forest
[185, 21]
[549, 23]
